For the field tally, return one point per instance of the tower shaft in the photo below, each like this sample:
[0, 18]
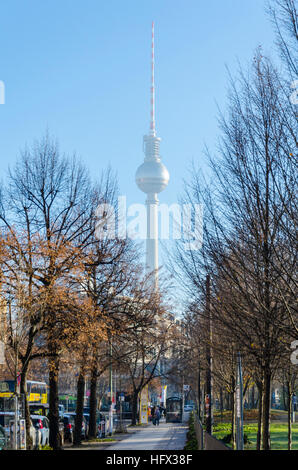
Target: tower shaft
[152, 236]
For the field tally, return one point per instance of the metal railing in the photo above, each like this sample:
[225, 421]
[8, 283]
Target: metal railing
[199, 432]
[205, 440]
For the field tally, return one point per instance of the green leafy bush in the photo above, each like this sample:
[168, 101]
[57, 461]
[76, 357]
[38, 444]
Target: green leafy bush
[191, 438]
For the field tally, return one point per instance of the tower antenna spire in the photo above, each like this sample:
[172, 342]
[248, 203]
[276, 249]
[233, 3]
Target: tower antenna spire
[152, 121]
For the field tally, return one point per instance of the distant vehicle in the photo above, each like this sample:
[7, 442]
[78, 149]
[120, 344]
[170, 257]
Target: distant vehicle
[37, 392]
[68, 422]
[71, 421]
[100, 419]
[35, 435]
[39, 409]
[188, 408]
[42, 424]
[174, 410]
[5, 419]
[3, 438]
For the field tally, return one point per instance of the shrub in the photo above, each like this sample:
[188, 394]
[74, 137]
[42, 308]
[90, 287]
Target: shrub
[191, 438]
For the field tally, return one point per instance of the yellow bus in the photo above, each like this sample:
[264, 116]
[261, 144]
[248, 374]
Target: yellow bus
[37, 392]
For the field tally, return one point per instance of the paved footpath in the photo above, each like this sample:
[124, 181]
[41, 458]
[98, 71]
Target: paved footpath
[166, 436]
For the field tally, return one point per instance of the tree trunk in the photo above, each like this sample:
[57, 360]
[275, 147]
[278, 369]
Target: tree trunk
[229, 405]
[233, 415]
[79, 409]
[253, 397]
[266, 410]
[221, 402]
[23, 390]
[134, 407]
[92, 432]
[260, 412]
[290, 410]
[284, 397]
[199, 393]
[53, 403]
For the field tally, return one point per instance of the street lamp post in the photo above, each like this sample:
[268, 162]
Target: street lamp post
[209, 369]
[239, 405]
[111, 391]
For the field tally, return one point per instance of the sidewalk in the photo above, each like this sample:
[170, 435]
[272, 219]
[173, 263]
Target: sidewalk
[93, 445]
[166, 436]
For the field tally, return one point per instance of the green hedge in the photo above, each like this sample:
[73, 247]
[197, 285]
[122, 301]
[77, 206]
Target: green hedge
[191, 438]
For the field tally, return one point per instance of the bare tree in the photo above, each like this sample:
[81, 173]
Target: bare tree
[49, 198]
[245, 213]
[283, 14]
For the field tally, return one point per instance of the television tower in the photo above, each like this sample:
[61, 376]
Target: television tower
[152, 177]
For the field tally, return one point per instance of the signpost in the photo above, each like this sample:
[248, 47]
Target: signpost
[111, 392]
[22, 434]
[294, 401]
[239, 406]
[164, 395]
[144, 405]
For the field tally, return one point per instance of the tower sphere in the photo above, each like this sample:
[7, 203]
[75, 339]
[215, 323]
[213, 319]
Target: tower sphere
[152, 177]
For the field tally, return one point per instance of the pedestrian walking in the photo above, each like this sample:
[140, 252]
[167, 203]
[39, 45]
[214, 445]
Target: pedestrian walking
[157, 416]
[153, 415]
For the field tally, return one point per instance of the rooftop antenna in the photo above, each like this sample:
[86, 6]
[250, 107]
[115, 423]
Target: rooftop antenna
[152, 122]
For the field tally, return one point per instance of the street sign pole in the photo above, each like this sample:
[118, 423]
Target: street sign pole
[293, 407]
[15, 434]
[111, 391]
[239, 406]
[209, 368]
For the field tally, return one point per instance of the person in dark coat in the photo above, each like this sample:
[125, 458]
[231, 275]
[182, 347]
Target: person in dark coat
[153, 414]
[157, 416]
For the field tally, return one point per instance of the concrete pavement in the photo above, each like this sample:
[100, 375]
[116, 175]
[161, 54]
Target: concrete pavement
[166, 436]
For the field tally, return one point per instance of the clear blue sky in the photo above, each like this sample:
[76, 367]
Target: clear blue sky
[82, 70]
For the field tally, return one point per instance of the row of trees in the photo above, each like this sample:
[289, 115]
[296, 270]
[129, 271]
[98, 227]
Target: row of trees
[249, 254]
[72, 296]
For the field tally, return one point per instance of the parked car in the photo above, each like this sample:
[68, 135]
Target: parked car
[3, 438]
[42, 423]
[188, 408]
[84, 424]
[61, 410]
[100, 419]
[68, 422]
[6, 417]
